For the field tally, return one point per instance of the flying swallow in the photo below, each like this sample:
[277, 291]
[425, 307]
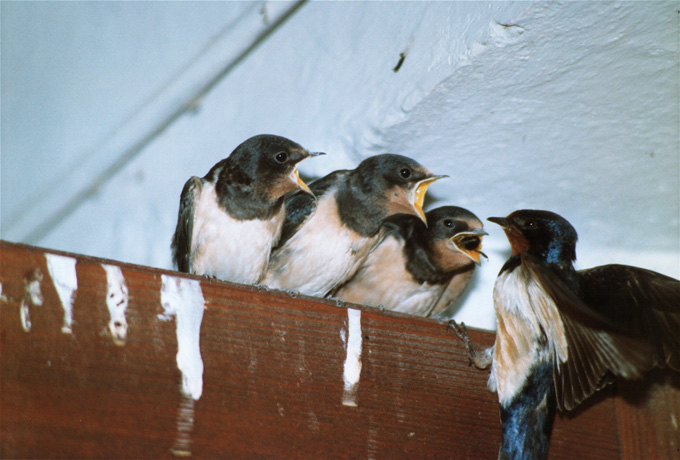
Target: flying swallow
[413, 266]
[230, 219]
[325, 241]
[564, 334]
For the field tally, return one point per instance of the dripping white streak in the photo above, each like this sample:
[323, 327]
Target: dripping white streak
[33, 291]
[32, 296]
[352, 369]
[183, 299]
[185, 426]
[117, 298]
[63, 273]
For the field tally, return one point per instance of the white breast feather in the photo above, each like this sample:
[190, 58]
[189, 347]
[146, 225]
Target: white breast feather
[402, 293]
[526, 319]
[419, 298]
[321, 255]
[228, 248]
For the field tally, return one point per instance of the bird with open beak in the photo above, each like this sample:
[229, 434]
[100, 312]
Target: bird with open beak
[325, 241]
[415, 264]
[564, 334]
[230, 219]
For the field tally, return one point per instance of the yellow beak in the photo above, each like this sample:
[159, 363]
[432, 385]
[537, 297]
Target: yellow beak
[419, 195]
[301, 183]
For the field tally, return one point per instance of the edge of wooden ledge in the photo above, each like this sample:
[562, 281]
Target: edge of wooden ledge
[272, 380]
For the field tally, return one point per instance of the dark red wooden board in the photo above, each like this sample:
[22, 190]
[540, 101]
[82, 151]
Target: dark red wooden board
[272, 381]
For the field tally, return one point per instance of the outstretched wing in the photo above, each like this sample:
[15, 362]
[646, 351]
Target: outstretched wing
[181, 240]
[300, 205]
[643, 303]
[598, 345]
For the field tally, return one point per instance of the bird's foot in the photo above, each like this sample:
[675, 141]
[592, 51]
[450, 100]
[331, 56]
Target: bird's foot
[481, 361]
[293, 293]
[338, 301]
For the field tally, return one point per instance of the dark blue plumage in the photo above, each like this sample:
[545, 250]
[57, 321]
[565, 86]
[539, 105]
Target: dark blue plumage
[563, 334]
[526, 422]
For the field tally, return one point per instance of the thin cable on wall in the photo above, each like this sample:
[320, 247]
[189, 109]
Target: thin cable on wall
[89, 190]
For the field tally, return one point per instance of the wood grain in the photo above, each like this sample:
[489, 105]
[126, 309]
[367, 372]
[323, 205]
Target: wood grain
[272, 381]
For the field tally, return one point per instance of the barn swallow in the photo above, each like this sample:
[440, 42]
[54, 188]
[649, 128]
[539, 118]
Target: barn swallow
[325, 241]
[563, 334]
[230, 219]
[413, 266]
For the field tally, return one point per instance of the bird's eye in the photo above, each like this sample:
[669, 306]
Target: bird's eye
[281, 157]
[405, 173]
[530, 223]
[448, 223]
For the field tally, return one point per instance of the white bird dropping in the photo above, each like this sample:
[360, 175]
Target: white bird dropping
[183, 299]
[32, 296]
[63, 273]
[352, 369]
[117, 298]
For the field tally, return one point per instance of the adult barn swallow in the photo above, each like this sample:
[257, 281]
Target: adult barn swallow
[230, 219]
[325, 241]
[412, 267]
[563, 334]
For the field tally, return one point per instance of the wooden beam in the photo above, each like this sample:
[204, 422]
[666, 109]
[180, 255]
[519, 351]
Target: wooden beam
[272, 383]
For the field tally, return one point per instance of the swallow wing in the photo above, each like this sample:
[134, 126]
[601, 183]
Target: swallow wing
[300, 205]
[597, 347]
[181, 240]
[644, 304]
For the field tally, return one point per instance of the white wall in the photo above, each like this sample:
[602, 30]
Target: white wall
[571, 107]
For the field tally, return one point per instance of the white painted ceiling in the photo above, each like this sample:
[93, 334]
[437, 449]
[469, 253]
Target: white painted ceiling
[108, 107]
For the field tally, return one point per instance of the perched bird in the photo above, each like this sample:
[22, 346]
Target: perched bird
[413, 266]
[563, 334]
[325, 241]
[230, 219]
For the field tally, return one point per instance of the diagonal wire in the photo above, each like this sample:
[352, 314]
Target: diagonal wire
[93, 186]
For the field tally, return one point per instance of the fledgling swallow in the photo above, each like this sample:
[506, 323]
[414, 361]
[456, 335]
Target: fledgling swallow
[413, 266]
[563, 334]
[230, 219]
[325, 241]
